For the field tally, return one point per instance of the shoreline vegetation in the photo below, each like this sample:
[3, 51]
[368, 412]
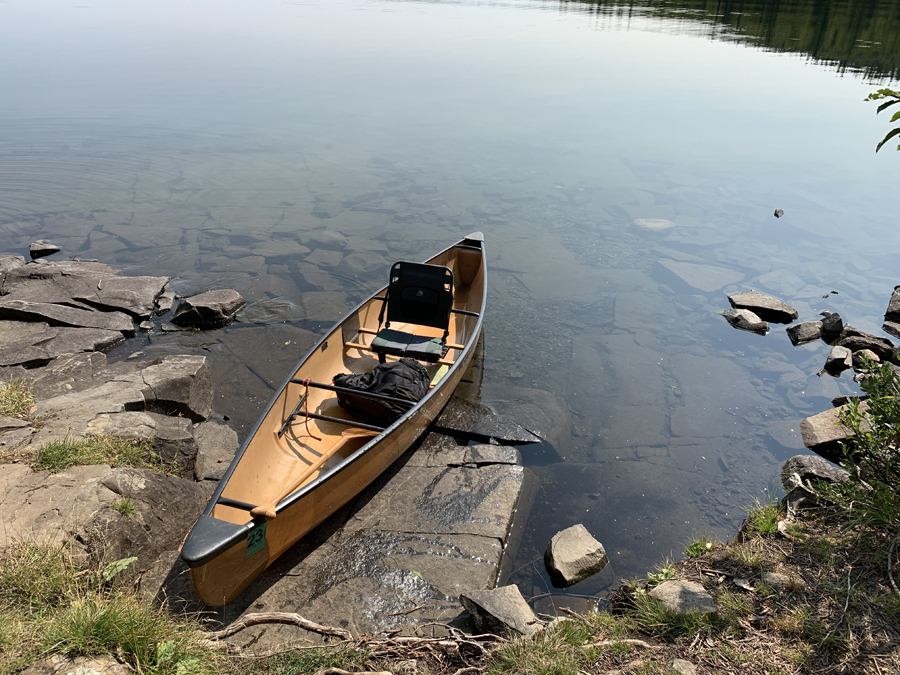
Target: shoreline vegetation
[807, 586]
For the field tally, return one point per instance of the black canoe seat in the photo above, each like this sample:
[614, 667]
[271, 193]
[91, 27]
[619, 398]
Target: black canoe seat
[421, 295]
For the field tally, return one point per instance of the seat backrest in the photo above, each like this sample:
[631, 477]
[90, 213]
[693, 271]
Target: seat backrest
[420, 294]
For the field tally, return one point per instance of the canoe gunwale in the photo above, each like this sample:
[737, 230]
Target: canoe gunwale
[239, 531]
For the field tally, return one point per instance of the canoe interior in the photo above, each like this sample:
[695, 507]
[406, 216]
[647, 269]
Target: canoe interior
[270, 463]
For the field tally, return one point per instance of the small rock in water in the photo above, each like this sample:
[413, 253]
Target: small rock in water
[805, 332]
[42, 248]
[744, 319]
[212, 309]
[839, 360]
[764, 306]
[778, 213]
[145, 326]
[573, 555]
[164, 302]
[832, 323]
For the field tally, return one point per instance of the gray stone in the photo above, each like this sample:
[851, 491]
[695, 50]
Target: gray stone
[823, 433]
[891, 328]
[179, 385]
[67, 374]
[212, 309]
[832, 323]
[92, 284]
[36, 344]
[61, 315]
[573, 555]
[855, 340]
[744, 319]
[216, 445]
[680, 666]
[839, 360]
[363, 264]
[280, 249]
[810, 469]
[164, 302]
[500, 611]
[764, 306]
[80, 665]
[802, 333]
[684, 597]
[41, 248]
[8, 423]
[327, 209]
[145, 326]
[893, 309]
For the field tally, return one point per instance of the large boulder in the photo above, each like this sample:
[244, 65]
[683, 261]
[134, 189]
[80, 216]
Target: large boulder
[500, 611]
[684, 597]
[764, 306]
[212, 309]
[893, 310]
[744, 319]
[573, 555]
[823, 433]
[179, 385]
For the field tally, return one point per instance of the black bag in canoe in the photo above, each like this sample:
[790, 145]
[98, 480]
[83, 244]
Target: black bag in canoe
[407, 379]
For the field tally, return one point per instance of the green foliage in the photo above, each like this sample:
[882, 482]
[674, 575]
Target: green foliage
[125, 506]
[548, 653]
[116, 567]
[309, 661]
[50, 605]
[762, 517]
[699, 546]
[893, 98]
[16, 398]
[666, 571]
[60, 455]
[651, 617]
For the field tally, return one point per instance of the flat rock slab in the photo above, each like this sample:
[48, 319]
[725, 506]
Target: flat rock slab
[766, 307]
[684, 597]
[212, 309]
[61, 315]
[430, 528]
[500, 611]
[707, 278]
[823, 433]
[33, 344]
[476, 422]
[81, 665]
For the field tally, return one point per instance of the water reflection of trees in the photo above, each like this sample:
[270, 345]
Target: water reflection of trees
[856, 36]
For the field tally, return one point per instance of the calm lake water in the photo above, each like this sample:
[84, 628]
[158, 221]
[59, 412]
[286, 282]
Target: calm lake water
[623, 160]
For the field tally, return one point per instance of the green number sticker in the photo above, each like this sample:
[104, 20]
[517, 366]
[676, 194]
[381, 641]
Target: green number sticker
[256, 539]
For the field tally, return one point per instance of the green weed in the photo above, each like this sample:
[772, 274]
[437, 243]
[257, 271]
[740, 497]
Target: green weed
[125, 506]
[762, 517]
[699, 546]
[60, 455]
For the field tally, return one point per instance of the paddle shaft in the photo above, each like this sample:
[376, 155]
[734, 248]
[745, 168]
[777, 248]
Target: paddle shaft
[267, 511]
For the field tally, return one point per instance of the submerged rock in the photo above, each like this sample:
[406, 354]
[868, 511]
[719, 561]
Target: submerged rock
[802, 333]
[573, 555]
[212, 309]
[744, 319]
[42, 248]
[766, 307]
[500, 611]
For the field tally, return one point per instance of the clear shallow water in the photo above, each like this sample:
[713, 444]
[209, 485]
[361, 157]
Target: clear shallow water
[212, 142]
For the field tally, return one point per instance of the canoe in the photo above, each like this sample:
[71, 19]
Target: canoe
[307, 456]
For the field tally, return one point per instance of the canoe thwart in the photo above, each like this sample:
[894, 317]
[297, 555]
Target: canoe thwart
[465, 312]
[235, 504]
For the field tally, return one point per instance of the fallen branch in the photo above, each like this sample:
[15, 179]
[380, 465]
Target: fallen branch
[286, 618]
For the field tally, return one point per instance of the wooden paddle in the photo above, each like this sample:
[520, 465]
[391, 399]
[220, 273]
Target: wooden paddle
[267, 511]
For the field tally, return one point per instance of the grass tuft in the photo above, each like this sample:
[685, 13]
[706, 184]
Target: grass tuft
[762, 518]
[309, 661]
[60, 455]
[16, 398]
[125, 506]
